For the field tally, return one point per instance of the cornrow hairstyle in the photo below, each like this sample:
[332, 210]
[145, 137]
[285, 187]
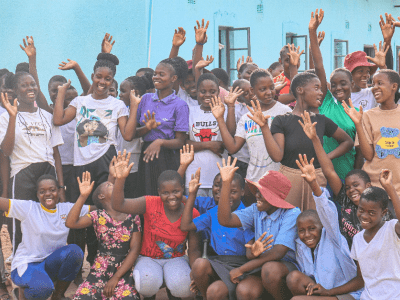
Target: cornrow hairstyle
[284, 51]
[57, 78]
[377, 195]
[208, 76]
[361, 174]
[46, 177]
[343, 70]
[181, 67]
[106, 60]
[258, 73]
[393, 77]
[301, 80]
[169, 62]
[169, 175]
[222, 75]
[244, 66]
[274, 65]
[22, 67]
[309, 213]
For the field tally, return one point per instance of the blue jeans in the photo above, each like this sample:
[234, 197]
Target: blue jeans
[63, 264]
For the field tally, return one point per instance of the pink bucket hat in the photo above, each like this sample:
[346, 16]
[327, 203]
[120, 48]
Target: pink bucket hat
[358, 59]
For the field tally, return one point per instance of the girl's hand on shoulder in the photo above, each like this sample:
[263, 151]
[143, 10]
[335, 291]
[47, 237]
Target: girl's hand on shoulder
[355, 116]
[107, 43]
[204, 63]
[85, 186]
[186, 155]
[233, 95]
[217, 107]
[294, 54]
[122, 166]
[228, 169]
[194, 183]
[257, 114]
[307, 168]
[386, 178]
[260, 245]
[316, 289]
[179, 37]
[11, 109]
[134, 99]
[152, 151]
[308, 127]
[380, 56]
[109, 288]
[201, 32]
[70, 65]
[316, 19]
[150, 120]
[29, 46]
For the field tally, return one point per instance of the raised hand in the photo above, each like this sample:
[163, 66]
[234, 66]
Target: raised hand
[294, 54]
[308, 127]
[257, 114]
[29, 46]
[107, 43]
[355, 116]
[201, 32]
[217, 107]
[316, 19]
[280, 83]
[321, 36]
[387, 28]
[380, 56]
[260, 245]
[228, 169]
[386, 178]
[134, 99]
[194, 183]
[241, 62]
[179, 37]
[85, 186]
[111, 168]
[307, 168]
[186, 155]
[150, 120]
[204, 63]
[11, 109]
[122, 166]
[233, 95]
[64, 87]
[70, 65]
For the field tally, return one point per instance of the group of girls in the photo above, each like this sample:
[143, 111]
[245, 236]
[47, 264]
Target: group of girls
[121, 156]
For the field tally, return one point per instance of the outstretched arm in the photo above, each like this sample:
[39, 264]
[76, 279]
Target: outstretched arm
[201, 38]
[127, 126]
[7, 145]
[187, 215]
[73, 65]
[63, 116]
[177, 41]
[386, 180]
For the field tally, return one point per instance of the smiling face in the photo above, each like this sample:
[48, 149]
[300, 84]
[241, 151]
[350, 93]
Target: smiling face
[124, 91]
[264, 89]
[247, 72]
[247, 93]
[164, 77]
[48, 193]
[216, 188]
[262, 204]
[360, 77]
[370, 214]
[312, 93]
[354, 187]
[171, 193]
[382, 89]
[113, 90]
[189, 84]
[309, 231]
[235, 195]
[207, 90]
[102, 80]
[341, 86]
[27, 89]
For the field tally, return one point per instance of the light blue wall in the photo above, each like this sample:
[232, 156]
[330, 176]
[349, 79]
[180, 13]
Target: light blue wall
[74, 29]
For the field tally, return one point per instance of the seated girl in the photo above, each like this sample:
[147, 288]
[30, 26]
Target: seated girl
[163, 259]
[321, 251]
[119, 246]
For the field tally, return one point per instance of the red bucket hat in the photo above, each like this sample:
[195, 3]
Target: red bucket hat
[274, 187]
[358, 59]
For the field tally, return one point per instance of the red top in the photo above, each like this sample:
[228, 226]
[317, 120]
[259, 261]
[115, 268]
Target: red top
[286, 89]
[161, 238]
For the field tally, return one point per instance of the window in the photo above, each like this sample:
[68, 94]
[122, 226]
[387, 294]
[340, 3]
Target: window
[233, 44]
[369, 49]
[341, 48]
[299, 40]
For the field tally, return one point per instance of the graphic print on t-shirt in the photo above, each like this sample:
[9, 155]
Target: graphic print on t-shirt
[33, 128]
[168, 250]
[205, 134]
[90, 129]
[388, 144]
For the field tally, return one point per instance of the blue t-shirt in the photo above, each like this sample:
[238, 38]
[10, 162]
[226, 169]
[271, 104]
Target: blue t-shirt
[203, 204]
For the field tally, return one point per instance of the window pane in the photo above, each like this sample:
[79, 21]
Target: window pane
[222, 52]
[302, 42]
[238, 38]
[235, 55]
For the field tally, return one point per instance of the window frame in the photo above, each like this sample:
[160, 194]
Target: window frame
[292, 36]
[335, 66]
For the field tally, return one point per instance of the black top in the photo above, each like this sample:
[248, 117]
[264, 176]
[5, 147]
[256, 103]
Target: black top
[296, 141]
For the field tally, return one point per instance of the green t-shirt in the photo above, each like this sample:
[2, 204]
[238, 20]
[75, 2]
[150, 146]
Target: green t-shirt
[334, 110]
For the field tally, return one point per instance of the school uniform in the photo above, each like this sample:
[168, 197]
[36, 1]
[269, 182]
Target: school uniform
[204, 204]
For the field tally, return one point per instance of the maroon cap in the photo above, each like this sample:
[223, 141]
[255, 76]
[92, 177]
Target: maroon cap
[358, 59]
[274, 187]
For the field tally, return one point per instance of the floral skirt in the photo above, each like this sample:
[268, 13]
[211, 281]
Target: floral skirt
[104, 267]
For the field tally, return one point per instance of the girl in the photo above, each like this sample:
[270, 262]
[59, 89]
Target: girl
[346, 194]
[341, 83]
[165, 133]
[262, 86]
[119, 245]
[378, 129]
[245, 70]
[321, 251]
[285, 141]
[163, 258]
[42, 257]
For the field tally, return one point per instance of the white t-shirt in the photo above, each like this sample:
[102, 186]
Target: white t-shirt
[379, 262]
[43, 230]
[243, 154]
[365, 98]
[96, 127]
[186, 97]
[260, 161]
[35, 137]
[67, 149]
[203, 127]
[2, 110]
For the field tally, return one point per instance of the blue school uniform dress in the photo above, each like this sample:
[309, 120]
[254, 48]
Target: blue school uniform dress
[281, 224]
[204, 204]
[332, 265]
